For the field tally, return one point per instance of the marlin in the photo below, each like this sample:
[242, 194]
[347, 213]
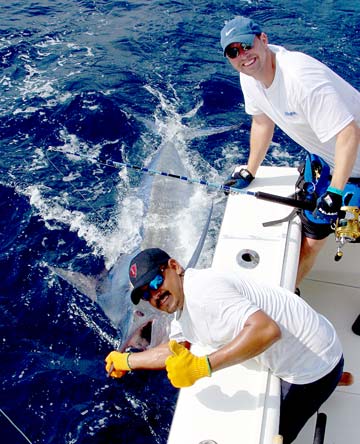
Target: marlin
[164, 201]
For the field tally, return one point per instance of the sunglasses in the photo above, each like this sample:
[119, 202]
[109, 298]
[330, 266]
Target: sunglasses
[234, 51]
[154, 284]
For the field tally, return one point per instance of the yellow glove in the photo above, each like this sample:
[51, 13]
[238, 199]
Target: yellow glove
[184, 368]
[117, 364]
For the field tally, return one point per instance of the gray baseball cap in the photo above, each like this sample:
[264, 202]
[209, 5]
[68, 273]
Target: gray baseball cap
[239, 30]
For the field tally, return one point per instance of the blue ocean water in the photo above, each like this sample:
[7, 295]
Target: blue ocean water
[112, 79]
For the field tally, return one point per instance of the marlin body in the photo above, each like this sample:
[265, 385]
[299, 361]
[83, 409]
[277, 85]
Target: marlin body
[165, 201]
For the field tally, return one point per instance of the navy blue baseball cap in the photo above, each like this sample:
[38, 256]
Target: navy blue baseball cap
[143, 268]
[239, 30]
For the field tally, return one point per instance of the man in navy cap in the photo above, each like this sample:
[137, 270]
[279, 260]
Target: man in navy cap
[315, 107]
[241, 319]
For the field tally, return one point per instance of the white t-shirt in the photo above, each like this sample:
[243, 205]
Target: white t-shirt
[217, 305]
[307, 100]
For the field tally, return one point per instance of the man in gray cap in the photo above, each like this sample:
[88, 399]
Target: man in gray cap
[315, 107]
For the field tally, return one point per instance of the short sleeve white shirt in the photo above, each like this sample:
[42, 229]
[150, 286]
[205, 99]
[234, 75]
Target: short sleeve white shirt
[307, 100]
[218, 305]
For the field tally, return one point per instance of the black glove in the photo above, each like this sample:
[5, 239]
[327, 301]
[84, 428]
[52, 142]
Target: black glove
[239, 179]
[328, 205]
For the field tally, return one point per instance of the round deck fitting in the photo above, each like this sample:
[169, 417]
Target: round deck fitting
[247, 258]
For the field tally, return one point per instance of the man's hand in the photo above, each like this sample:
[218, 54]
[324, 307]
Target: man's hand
[240, 178]
[184, 368]
[117, 364]
[328, 205]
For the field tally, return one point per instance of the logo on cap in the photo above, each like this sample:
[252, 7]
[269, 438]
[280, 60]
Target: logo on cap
[133, 271]
[229, 32]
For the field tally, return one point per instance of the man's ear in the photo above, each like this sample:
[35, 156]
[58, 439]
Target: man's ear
[174, 264]
[264, 38]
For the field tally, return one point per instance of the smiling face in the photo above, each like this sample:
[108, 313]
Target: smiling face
[169, 297]
[257, 62]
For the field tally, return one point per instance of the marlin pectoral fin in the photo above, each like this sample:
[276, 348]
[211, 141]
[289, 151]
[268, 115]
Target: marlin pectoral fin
[85, 284]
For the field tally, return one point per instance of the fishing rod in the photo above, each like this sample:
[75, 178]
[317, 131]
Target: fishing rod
[291, 202]
[15, 426]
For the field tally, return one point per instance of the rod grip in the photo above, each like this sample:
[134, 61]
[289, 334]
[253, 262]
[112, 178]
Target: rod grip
[291, 202]
[320, 428]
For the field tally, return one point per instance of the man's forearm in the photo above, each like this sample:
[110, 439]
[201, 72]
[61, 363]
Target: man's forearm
[346, 151]
[258, 334]
[151, 359]
[262, 130]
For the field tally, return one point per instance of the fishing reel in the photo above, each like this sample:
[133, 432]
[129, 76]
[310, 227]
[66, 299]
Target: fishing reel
[347, 229]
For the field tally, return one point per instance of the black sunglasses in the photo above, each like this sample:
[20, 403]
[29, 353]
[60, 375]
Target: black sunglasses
[233, 51]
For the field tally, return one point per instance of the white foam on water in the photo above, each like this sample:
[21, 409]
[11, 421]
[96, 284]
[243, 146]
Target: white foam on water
[123, 234]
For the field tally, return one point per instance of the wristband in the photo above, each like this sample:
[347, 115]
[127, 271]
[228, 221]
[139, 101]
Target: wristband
[335, 191]
[208, 364]
[127, 360]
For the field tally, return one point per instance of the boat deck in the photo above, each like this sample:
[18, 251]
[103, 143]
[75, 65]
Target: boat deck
[333, 289]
